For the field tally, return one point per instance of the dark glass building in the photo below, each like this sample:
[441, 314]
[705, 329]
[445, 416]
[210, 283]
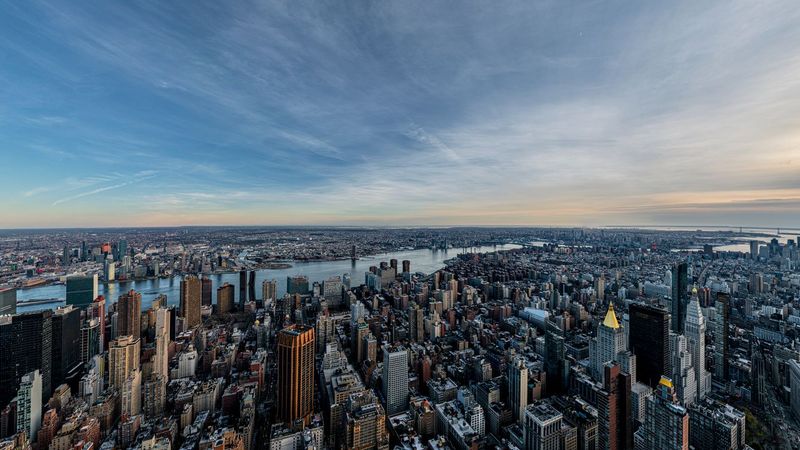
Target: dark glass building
[207, 291]
[26, 344]
[680, 286]
[81, 290]
[66, 348]
[649, 341]
[8, 301]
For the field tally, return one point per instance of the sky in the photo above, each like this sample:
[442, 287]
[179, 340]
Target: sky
[139, 113]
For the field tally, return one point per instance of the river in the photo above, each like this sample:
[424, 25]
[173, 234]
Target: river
[423, 260]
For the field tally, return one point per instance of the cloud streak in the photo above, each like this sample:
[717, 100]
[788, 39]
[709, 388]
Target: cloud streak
[533, 112]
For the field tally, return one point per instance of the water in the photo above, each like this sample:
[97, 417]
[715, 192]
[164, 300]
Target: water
[423, 260]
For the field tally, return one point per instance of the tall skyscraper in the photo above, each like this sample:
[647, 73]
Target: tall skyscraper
[129, 314]
[91, 340]
[365, 421]
[696, 340]
[269, 291]
[251, 287]
[649, 341]
[191, 292]
[416, 323]
[608, 345]
[161, 363]
[81, 289]
[225, 294]
[395, 379]
[680, 285]
[206, 291]
[723, 308]
[683, 374]
[66, 347]
[297, 284]
[666, 425]
[518, 387]
[242, 287]
[615, 424]
[8, 301]
[123, 359]
[131, 394]
[29, 404]
[554, 358]
[26, 344]
[296, 374]
[109, 269]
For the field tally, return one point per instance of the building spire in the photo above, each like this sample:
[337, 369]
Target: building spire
[611, 319]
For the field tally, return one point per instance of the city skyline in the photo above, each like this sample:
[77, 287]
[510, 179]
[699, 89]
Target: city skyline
[399, 114]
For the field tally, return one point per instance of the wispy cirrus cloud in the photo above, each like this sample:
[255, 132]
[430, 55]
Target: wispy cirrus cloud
[536, 112]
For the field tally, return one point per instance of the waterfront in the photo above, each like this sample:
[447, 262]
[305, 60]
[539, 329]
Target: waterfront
[422, 260]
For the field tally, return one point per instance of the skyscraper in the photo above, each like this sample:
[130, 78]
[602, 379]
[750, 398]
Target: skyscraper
[161, 363]
[191, 292]
[8, 301]
[242, 287]
[649, 340]
[296, 374]
[680, 284]
[129, 314]
[666, 425]
[206, 289]
[29, 404]
[518, 387]
[608, 344]
[225, 294]
[395, 379]
[683, 374]
[723, 308]
[297, 284]
[696, 340]
[26, 344]
[123, 359]
[66, 347]
[615, 425]
[251, 287]
[714, 425]
[269, 291]
[542, 427]
[109, 269]
[81, 289]
[416, 323]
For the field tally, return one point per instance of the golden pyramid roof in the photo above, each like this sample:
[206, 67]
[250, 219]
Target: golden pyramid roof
[611, 319]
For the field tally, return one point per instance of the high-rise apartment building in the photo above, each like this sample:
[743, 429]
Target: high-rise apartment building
[269, 291]
[191, 293]
[225, 294]
[296, 374]
[163, 325]
[543, 427]
[81, 289]
[29, 404]
[123, 359]
[129, 314]
[365, 421]
[714, 425]
[614, 424]
[666, 425]
[518, 387]
[395, 379]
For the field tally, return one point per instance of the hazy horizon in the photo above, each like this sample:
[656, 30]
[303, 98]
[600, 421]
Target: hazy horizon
[399, 114]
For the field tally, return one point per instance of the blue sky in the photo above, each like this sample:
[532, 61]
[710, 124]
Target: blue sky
[555, 112]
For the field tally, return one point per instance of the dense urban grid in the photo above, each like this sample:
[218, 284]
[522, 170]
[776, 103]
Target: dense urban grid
[565, 339]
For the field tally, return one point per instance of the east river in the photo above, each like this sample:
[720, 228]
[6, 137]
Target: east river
[423, 260]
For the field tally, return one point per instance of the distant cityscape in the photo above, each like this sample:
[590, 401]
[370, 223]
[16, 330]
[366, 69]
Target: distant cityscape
[414, 338]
